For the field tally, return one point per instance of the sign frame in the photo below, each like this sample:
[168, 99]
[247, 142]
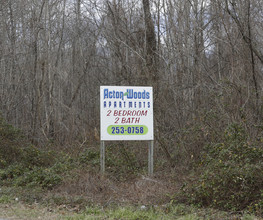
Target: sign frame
[126, 114]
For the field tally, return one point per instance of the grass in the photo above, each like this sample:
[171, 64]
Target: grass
[167, 212]
[29, 212]
[13, 209]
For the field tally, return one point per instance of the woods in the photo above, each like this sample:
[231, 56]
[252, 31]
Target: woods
[200, 56]
[204, 60]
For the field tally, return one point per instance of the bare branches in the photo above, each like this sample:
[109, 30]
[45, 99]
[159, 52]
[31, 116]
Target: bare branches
[198, 55]
[246, 37]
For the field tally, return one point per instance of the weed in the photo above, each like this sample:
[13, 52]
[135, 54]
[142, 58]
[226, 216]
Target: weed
[5, 199]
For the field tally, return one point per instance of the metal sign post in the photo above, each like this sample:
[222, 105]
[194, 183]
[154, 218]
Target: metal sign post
[150, 159]
[102, 157]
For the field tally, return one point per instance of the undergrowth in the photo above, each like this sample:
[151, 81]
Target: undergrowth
[228, 171]
[25, 165]
[22, 164]
[229, 175]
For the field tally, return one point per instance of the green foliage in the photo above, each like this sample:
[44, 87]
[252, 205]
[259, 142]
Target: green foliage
[34, 172]
[129, 213]
[168, 211]
[32, 156]
[20, 175]
[121, 162]
[231, 176]
[46, 178]
[8, 132]
[5, 199]
[204, 128]
[34, 167]
[11, 141]
[22, 164]
[89, 156]
[12, 171]
[14, 148]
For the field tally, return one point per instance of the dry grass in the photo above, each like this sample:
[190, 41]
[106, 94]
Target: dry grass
[19, 211]
[105, 190]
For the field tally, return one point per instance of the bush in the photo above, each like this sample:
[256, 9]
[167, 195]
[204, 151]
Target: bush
[46, 178]
[22, 164]
[32, 156]
[89, 157]
[11, 141]
[122, 163]
[231, 176]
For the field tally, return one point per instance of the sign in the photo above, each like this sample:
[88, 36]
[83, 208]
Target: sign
[126, 113]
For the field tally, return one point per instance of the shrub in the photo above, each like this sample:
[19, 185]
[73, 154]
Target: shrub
[89, 156]
[32, 156]
[46, 178]
[11, 141]
[231, 176]
[122, 163]
[22, 164]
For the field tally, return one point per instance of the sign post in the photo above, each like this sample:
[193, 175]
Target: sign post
[126, 113]
[150, 158]
[102, 157]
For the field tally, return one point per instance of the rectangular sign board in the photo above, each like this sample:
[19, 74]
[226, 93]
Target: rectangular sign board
[126, 113]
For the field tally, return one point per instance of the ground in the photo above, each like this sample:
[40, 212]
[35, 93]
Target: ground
[142, 198]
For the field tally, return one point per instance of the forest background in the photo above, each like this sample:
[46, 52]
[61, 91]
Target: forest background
[203, 58]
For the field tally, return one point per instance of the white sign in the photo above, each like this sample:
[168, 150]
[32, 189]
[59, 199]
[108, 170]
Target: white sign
[126, 113]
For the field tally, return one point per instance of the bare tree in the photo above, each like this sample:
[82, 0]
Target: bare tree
[199, 56]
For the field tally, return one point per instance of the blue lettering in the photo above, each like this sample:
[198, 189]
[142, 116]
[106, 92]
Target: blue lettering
[113, 94]
[147, 95]
[106, 93]
[143, 94]
[105, 104]
[121, 95]
[137, 95]
[130, 93]
[130, 104]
